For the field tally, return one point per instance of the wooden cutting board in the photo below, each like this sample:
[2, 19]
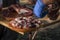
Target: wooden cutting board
[21, 31]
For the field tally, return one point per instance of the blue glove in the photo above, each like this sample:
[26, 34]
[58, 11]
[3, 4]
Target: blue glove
[39, 8]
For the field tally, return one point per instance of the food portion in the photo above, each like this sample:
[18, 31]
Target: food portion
[25, 12]
[25, 22]
[53, 11]
[16, 10]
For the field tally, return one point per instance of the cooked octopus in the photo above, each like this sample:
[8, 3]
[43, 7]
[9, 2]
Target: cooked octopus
[25, 22]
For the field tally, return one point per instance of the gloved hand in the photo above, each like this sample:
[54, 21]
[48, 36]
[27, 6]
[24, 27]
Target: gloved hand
[39, 8]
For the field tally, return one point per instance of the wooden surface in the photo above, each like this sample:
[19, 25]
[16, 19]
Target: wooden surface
[22, 31]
